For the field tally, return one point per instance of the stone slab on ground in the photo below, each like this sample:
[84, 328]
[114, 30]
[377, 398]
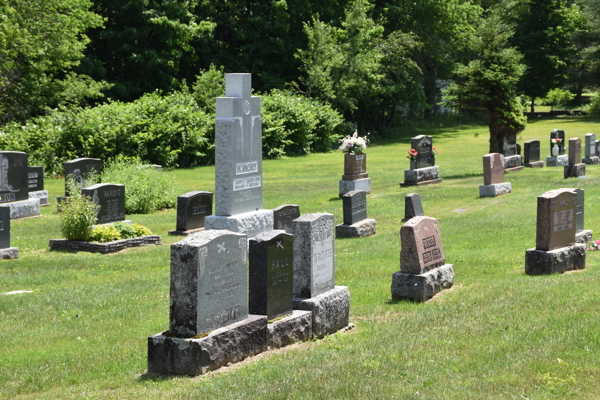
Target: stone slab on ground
[591, 160]
[497, 189]
[512, 162]
[537, 164]
[185, 233]
[583, 236]
[364, 228]
[359, 184]
[188, 356]
[24, 209]
[421, 176]
[422, 287]
[330, 310]
[251, 223]
[540, 262]
[42, 195]
[574, 171]
[558, 161]
[296, 327]
[102, 248]
[10, 253]
[514, 169]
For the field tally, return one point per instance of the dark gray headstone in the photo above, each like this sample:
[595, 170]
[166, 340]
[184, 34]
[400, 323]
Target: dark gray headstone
[13, 176]
[4, 227]
[35, 178]
[238, 148]
[509, 145]
[284, 215]
[271, 273]
[598, 147]
[80, 168]
[424, 145]
[111, 199]
[558, 134]
[355, 206]
[192, 207]
[314, 254]
[532, 151]
[518, 149]
[412, 206]
[209, 282]
[579, 210]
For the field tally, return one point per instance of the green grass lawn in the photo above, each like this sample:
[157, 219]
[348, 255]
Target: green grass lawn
[497, 334]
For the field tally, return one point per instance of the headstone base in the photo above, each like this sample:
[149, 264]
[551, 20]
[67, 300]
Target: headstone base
[10, 253]
[250, 223]
[232, 343]
[421, 176]
[296, 327]
[359, 184]
[583, 236]
[422, 287]
[540, 262]
[591, 160]
[24, 208]
[494, 190]
[558, 161]
[512, 162]
[42, 195]
[330, 310]
[574, 171]
[185, 233]
[364, 228]
[536, 164]
[355, 177]
[514, 169]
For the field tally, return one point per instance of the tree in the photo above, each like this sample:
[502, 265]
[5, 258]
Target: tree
[487, 85]
[557, 97]
[364, 75]
[41, 42]
[544, 35]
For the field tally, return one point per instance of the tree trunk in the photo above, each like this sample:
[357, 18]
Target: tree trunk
[533, 104]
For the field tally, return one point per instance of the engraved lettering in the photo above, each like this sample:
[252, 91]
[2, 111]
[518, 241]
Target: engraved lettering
[429, 242]
[199, 210]
[224, 317]
[246, 168]
[246, 183]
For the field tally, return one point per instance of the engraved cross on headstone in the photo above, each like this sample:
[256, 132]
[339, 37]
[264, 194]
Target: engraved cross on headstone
[238, 151]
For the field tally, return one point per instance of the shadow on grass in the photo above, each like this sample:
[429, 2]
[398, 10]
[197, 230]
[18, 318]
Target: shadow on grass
[462, 176]
[571, 119]
[335, 199]
[398, 301]
[148, 377]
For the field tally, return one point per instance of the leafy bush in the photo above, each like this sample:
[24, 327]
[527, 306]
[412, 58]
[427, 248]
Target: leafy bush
[105, 233]
[594, 107]
[125, 230]
[146, 189]
[141, 230]
[78, 214]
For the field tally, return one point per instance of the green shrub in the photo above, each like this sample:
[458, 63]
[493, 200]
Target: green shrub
[594, 107]
[141, 230]
[105, 233]
[78, 214]
[146, 189]
[125, 230]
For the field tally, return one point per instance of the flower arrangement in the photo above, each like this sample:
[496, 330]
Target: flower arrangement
[412, 154]
[435, 152]
[593, 246]
[556, 140]
[353, 144]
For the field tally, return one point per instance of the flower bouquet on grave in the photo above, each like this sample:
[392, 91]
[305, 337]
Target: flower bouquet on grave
[353, 144]
[434, 152]
[593, 246]
[556, 141]
[412, 155]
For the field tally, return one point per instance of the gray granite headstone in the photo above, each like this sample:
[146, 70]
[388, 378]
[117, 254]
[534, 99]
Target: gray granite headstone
[556, 220]
[574, 151]
[79, 169]
[590, 145]
[209, 282]
[598, 148]
[192, 207]
[271, 273]
[532, 151]
[13, 176]
[35, 178]
[284, 216]
[355, 206]
[579, 210]
[509, 145]
[314, 254]
[412, 206]
[558, 134]
[424, 145]
[238, 148]
[4, 227]
[111, 199]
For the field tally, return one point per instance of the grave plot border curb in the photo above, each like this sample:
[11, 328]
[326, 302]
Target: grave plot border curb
[102, 248]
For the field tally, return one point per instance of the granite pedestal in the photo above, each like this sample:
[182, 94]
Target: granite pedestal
[422, 287]
[330, 310]
[251, 223]
[42, 195]
[185, 233]
[359, 184]
[540, 262]
[513, 163]
[583, 236]
[536, 164]
[494, 190]
[591, 160]
[10, 253]
[422, 176]
[196, 356]
[364, 228]
[296, 327]
[558, 161]
[24, 209]
[574, 171]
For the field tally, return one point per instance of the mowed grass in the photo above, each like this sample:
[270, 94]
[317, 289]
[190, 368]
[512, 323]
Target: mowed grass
[497, 334]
